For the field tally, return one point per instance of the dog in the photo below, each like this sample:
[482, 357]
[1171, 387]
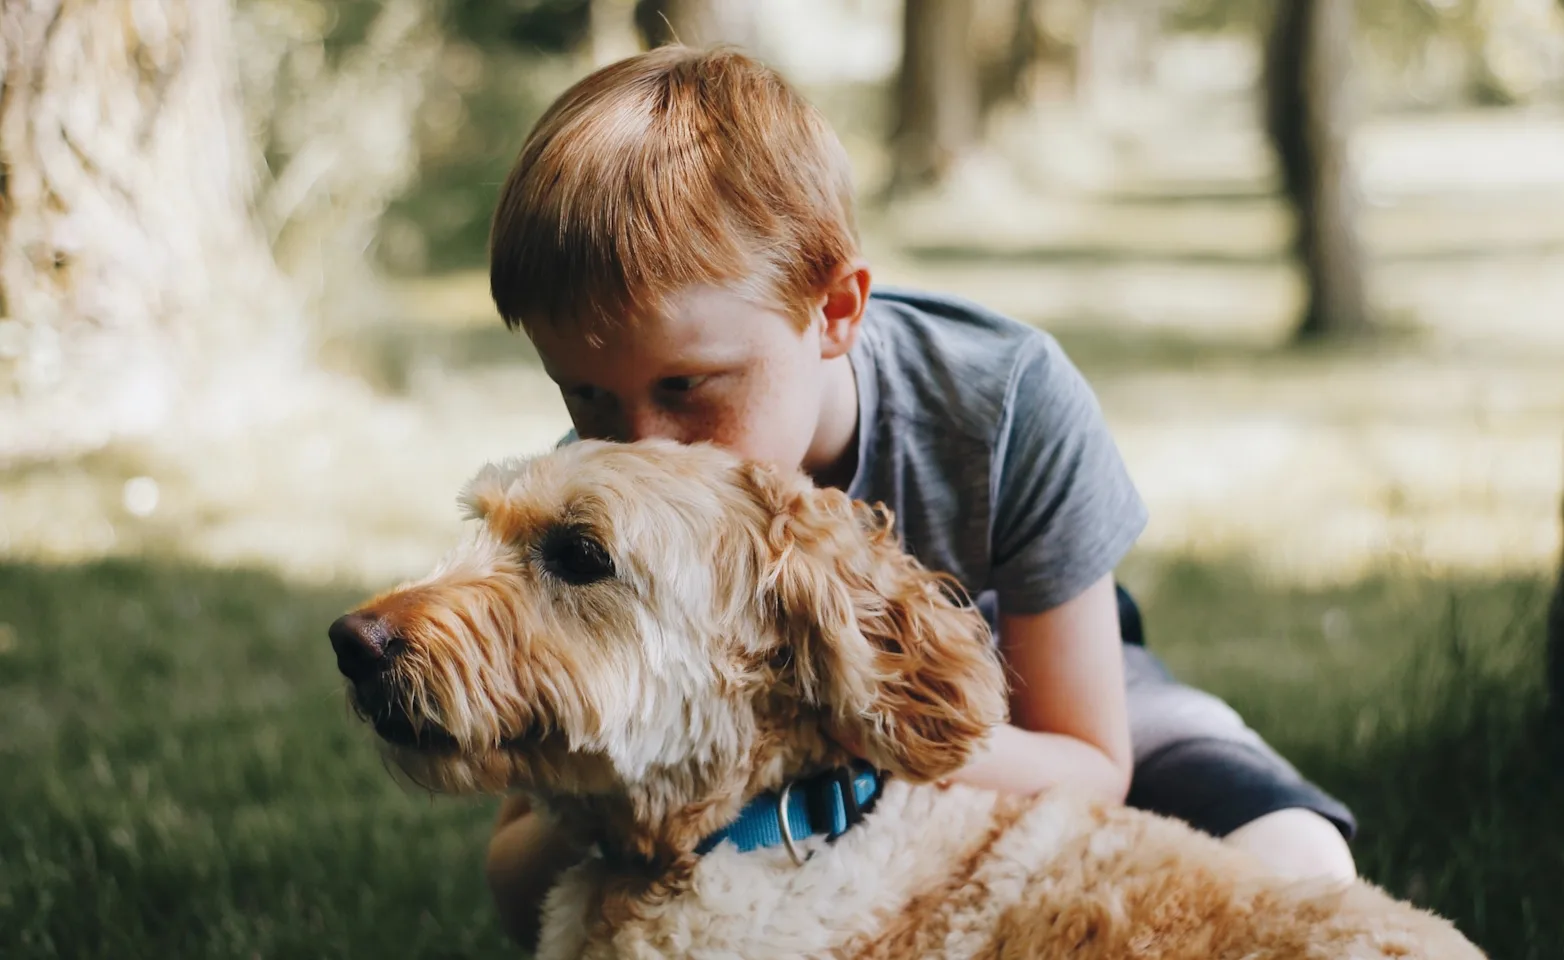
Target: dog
[664, 648]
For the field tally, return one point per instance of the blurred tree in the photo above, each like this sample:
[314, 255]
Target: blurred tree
[127, 252]
[698, 23]
[1429, 52]
[938, 93]
[1009, 40]
[1029, 48]
[138, 210]
[1309, 117]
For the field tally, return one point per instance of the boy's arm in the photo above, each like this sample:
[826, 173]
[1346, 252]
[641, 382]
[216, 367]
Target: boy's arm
[1065, 514]
[1070, 725]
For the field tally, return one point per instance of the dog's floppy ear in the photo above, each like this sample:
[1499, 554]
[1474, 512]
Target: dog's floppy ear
[877, 639]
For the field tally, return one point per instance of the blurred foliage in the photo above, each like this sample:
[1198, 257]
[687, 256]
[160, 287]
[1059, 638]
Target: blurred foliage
[350, 102]
[332, 93]
[480, 107]
[1479, 51]
[346, 23]
[1414, 16]
[502, 62]
[542, 26]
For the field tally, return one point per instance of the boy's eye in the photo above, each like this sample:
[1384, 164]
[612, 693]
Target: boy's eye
[680, 384]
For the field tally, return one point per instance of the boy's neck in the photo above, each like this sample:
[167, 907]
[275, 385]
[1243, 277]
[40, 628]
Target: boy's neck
[832, 459]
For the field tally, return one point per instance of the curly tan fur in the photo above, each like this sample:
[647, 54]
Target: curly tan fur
[747, 623]
[880, 643]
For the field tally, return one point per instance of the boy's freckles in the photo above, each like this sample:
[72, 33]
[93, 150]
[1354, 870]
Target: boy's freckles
[711, 367]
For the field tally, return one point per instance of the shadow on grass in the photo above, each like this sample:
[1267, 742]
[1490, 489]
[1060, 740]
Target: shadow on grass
[1103, 346]
[1238, 193]
[1099, 346]
[1464, 817]
[1420, 702]
[181, 777]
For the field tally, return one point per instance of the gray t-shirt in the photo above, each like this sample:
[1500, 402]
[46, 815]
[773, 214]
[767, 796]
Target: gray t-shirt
[992, 450]
[987, 443]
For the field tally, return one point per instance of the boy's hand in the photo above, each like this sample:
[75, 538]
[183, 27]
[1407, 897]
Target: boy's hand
[1069, 718]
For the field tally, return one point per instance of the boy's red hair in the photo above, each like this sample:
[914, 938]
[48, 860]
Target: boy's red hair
[672, 168]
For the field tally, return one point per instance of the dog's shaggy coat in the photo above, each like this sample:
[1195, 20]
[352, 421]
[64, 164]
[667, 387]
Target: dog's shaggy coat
[643, 637]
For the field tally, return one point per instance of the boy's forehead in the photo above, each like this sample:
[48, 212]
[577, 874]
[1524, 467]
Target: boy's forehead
[702, 325]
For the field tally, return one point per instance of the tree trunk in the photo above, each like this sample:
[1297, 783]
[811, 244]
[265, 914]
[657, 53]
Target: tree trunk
[131, 270]
[1309, 106]
[1556, 646]
[938, 96]
[696, 23]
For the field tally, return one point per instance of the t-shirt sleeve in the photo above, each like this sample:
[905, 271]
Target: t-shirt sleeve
[569, 438]
[1065, 510]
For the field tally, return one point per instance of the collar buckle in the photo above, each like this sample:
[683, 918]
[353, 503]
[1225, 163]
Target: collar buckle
[787, 827]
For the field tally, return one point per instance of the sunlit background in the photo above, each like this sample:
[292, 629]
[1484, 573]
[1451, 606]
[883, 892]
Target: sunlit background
[247, 358]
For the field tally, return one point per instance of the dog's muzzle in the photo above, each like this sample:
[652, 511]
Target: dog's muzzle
[367, 651]
[364, 646]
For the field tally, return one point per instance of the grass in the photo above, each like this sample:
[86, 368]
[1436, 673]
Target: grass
[181, 778]
[1420, 703]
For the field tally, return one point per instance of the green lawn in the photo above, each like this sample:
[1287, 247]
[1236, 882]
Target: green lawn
[180, 776]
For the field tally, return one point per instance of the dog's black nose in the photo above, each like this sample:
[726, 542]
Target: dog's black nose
[360, 643]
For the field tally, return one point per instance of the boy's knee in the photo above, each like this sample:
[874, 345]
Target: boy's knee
[1297, 843]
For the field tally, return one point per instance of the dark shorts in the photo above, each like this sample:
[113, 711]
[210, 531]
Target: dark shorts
[1196, 759]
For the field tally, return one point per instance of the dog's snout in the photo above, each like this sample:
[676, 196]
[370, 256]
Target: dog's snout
[361, 643]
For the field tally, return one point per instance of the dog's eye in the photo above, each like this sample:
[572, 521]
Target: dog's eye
[576, 558]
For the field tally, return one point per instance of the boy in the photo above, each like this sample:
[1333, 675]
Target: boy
[677, 240]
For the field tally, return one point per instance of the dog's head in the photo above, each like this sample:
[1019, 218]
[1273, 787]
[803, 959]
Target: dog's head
[657, 632]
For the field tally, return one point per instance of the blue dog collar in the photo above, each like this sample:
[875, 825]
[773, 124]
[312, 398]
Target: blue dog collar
[829, 803]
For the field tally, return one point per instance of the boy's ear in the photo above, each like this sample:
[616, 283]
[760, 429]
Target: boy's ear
[841, 306]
